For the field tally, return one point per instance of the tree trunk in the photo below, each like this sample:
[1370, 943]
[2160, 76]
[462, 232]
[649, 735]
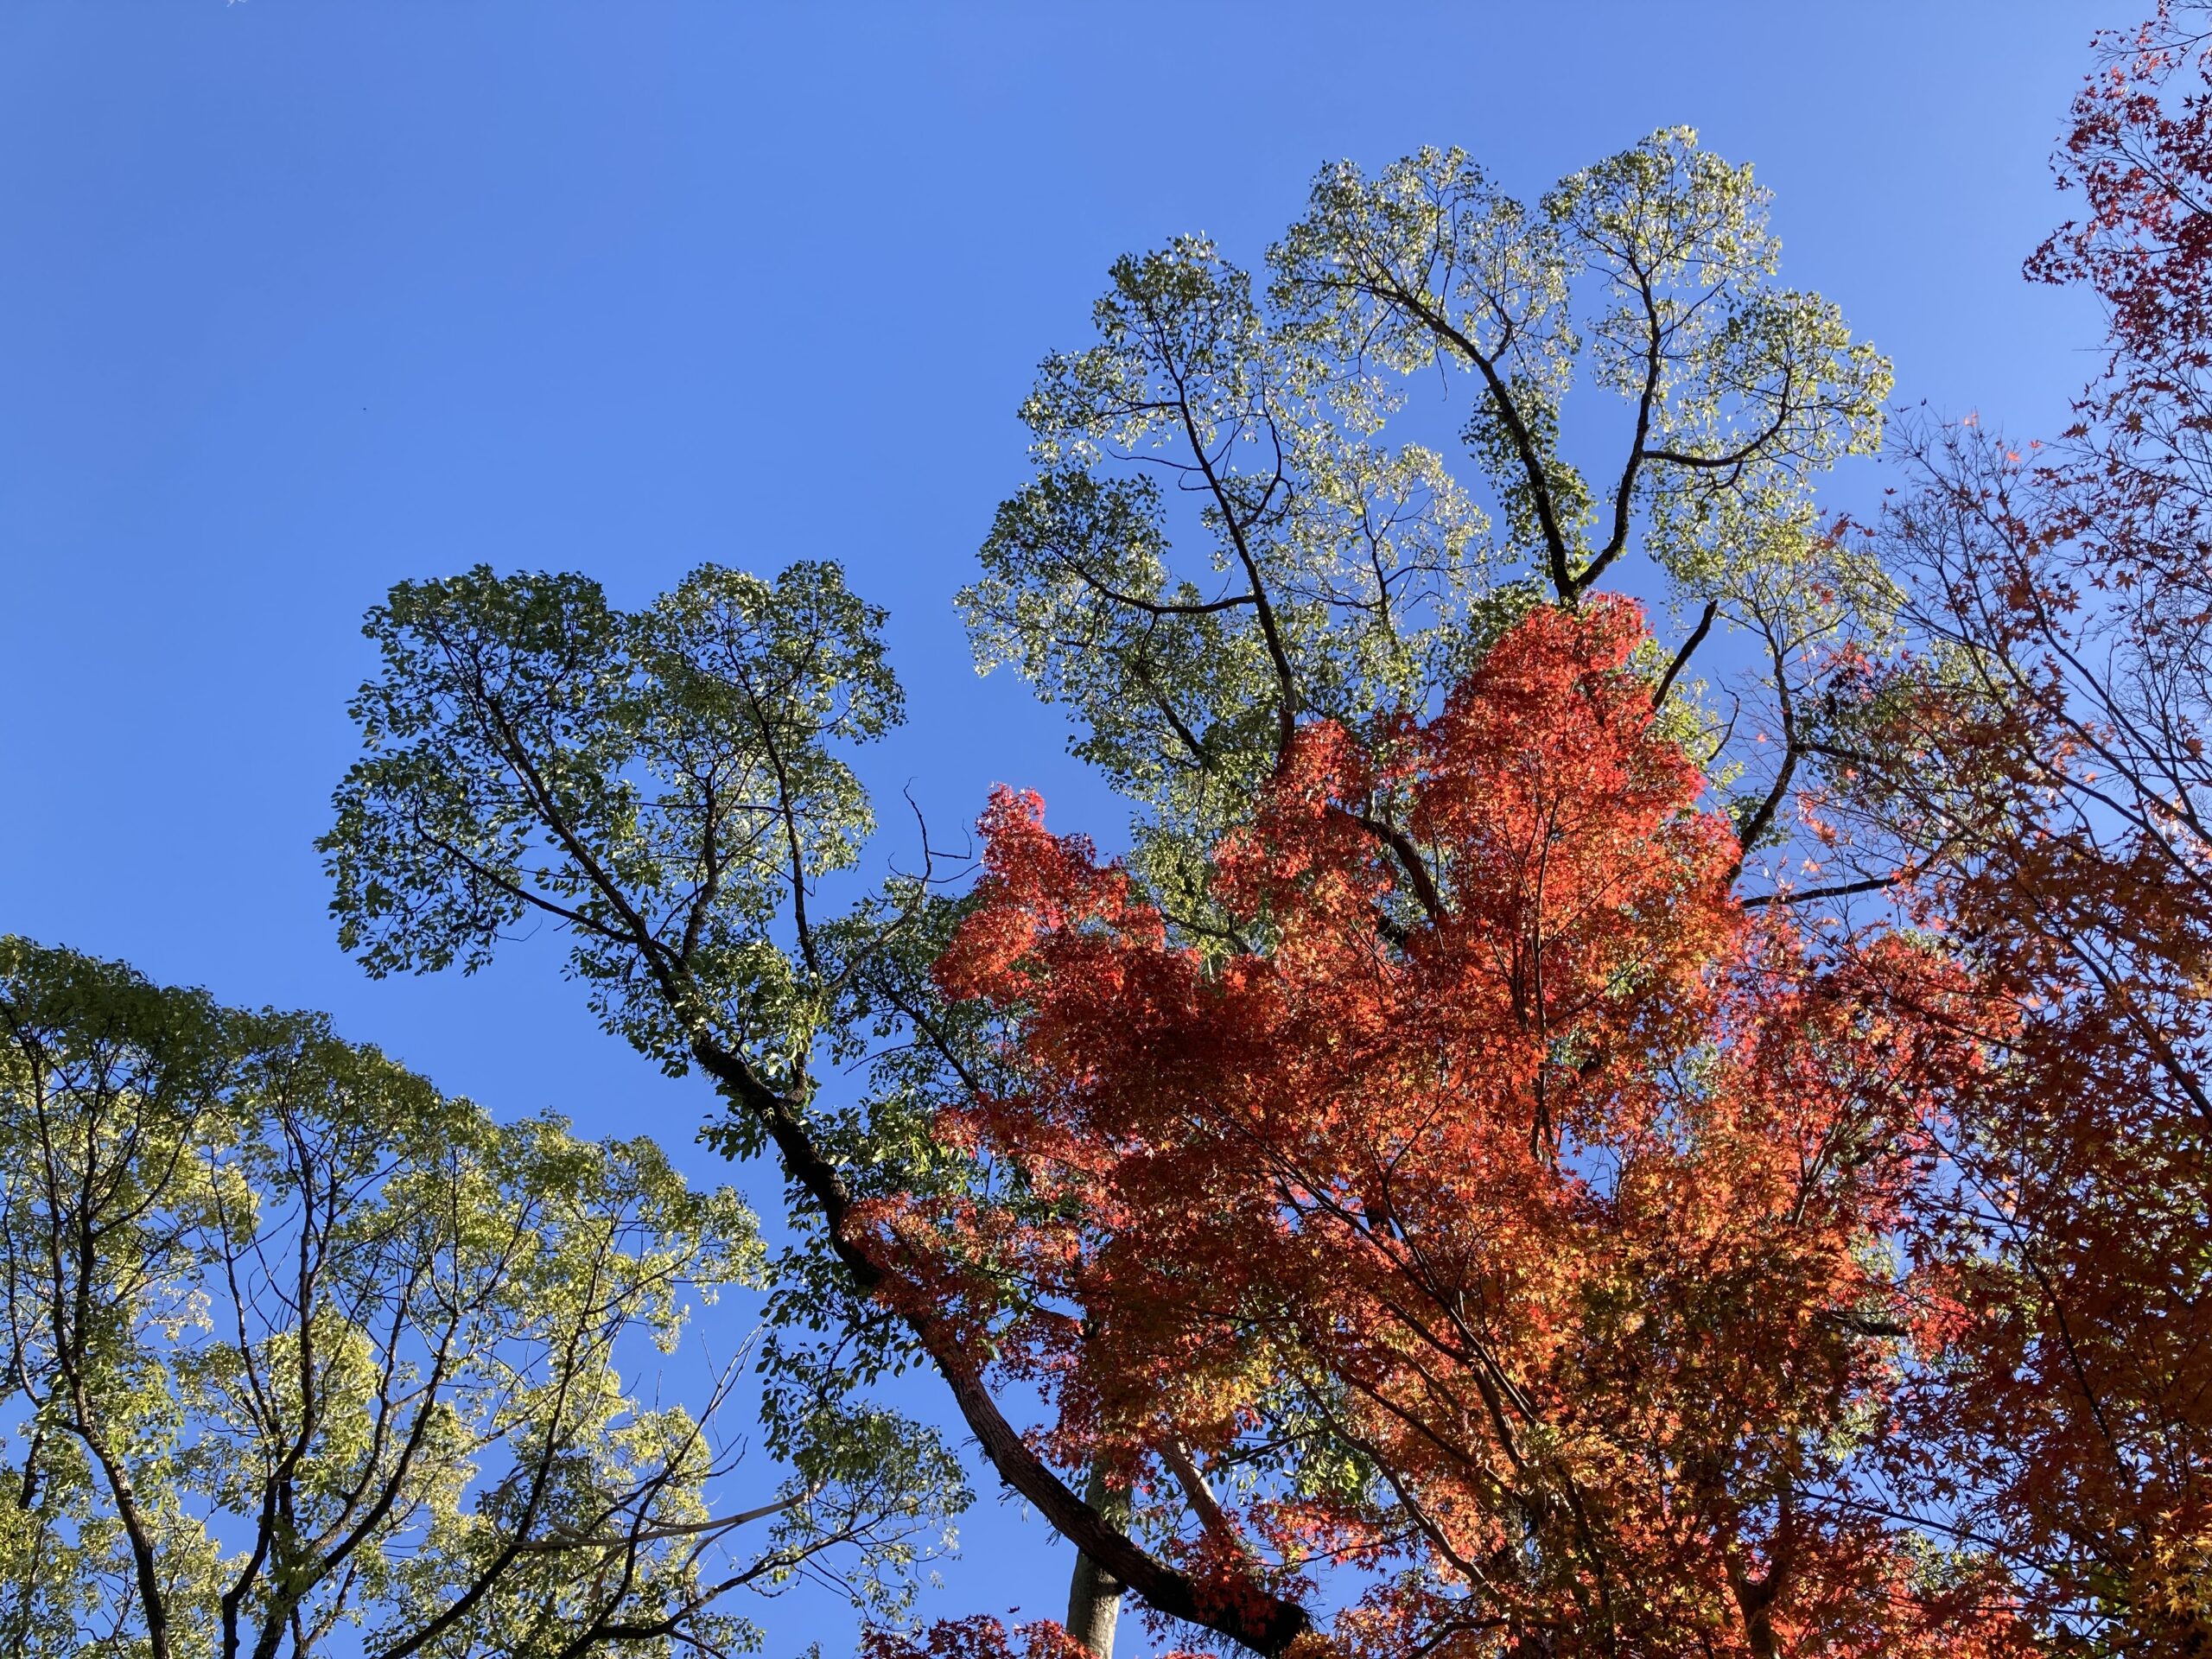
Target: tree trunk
[1094, 1594]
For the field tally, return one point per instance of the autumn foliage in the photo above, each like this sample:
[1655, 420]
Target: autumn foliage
[1449, 1193]
[1513, 1245]
[2043, 765]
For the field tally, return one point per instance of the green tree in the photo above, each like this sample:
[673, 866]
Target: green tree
[303, 1350]
[1315, 569]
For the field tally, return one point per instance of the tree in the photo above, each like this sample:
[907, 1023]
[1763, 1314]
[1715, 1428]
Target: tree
[670, 786]
[305, 1355]
[2039, 760]
[2063, 1420]
[1499, 1254]
[1337, 575]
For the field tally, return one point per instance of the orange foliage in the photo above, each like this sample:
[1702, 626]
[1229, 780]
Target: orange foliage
[1500, 1256]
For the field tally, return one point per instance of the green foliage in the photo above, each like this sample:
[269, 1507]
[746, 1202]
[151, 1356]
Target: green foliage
[668, 786]
[663, 782]
[1336, 574]
[299, 1346]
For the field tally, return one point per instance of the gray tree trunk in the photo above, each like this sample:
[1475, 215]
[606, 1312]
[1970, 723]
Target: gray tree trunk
[1094, 1594]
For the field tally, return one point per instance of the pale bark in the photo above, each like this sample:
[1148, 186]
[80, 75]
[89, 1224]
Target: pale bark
[1094, 1594]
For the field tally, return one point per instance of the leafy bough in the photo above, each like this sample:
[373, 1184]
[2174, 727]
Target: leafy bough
[303, 1352]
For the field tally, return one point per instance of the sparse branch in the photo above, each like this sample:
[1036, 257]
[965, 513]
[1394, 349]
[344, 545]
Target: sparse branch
[1409, 861]
[1761, 816]
[1681, 658]
[1646, 405]
[1235, 523]
[1535, 474]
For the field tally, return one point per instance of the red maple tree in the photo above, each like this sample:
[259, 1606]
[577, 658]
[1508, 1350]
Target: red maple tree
[1492, 1245]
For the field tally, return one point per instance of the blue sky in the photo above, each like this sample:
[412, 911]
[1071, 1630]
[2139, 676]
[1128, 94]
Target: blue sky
[298, 300]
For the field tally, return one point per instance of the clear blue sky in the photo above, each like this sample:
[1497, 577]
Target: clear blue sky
[297, 300]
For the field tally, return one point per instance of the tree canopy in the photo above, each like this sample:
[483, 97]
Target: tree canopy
[297, 1347]
[1582, 1125]
[1222, 539]
[1522, 1264]
[670, 785]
